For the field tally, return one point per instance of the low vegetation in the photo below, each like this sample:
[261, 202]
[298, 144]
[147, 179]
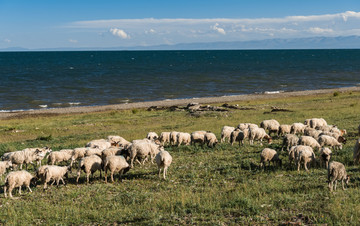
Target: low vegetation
[221, 185]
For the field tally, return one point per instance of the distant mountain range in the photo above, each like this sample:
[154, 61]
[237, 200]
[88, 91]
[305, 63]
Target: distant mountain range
[342, 42]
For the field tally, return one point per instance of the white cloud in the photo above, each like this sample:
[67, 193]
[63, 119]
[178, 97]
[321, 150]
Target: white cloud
[7, 40]
[73, 40]
[218, 29]
[318, 30]
[118, 32]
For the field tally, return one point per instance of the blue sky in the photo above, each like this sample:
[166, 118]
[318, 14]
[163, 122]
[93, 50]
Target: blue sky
[86, 23]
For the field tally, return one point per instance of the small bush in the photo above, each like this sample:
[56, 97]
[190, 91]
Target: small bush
[336, 93]
[134, 111]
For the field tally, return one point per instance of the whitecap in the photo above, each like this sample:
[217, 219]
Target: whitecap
[43, 105]
[271, 92]
[74, 103]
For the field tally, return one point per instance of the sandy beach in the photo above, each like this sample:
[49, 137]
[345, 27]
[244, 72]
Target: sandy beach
[176, 102]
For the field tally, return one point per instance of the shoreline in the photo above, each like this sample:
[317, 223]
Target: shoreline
[169, 103]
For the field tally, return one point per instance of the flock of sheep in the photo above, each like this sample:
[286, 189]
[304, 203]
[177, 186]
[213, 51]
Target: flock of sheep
[117, 155]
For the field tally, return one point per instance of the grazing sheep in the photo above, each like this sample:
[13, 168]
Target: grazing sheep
[325, 155]
[325, 140]
[99, 144]
[243, 126]
[284, 129]
[55, 173]
[163, 161]
[226, 133]
[237, 135]
[198, 137]
[294, 153]
[110, 152]
[17, 179]
[78, 153]
[40, 173]
[271, 125]
[141, 149]
[115, 164]
[60, 156]
[94, 151]
[315, 122]
[325, 128]
[297, 128]
[152, 136]
[4, 165]
[269, 155]
[309, 141]
[306, 155]
[183, 138]
[307, 122]
[259, 134]
[89, 165]
[312, 132]
[337, 171]
[164, 138]
[210, 139]
[356, 153]
[27, 156]
[173, 138]
[289, 141]
[118, 141]
[6, 156]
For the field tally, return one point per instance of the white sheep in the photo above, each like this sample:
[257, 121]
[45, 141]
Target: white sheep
[237, 135]
[183, 138]
[316, 122]
[297, 128]
[294, 153]
[110, 152]
[269, 155]
[55, 173]
[284, 129]
[163, 161]
[243, 126]
[94, 151]
[4, 165]
[325, 155]
[312, 132]
[115, 164]
[305, 155]
[325, 140]
[173, 137]
[27, 156]
[77, 154]
[337, 171]
[164, 138]
[6, 156]
[17, 179]
[198, 137]
[289, 140]
[60, 156]
[226, 133]
[152, 136]
[309, 141]
[89, 165]
[259, 134]
[271, 125]
[99, 144]
[210, 139]
[118, 141]
[141, 149]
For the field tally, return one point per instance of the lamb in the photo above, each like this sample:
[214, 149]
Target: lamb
[269, 155]
[99, 144]
[173, 138]
[356, 153]
[141, 149]
[60, 156]
[27, 156]
[90, 165]
[309, 141]
[259, 134]
[337, 171]
[210, 139]
[4, 165]
[271, 125]
[305, 155]
[115, 164]
[325, 155]
[297, 128]
[164, 138]
[198, 137]
[17, 179]
[329, 141]
[152, 136]
[183, 138]
[314, 122]
[284, 129]
[289, 141]
[163, 161]
[55, 173]
[226, 133]
[237, 135]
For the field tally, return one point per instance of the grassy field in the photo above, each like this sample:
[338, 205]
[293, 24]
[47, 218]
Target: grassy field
[223, 185]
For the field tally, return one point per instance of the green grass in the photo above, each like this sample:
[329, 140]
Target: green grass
[223, 185]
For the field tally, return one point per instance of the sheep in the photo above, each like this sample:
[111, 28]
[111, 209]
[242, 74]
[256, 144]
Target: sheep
[4, 165]
[210, 139]
[269, 155]
[118, 141]
[312, 132]
[337, 171]
[142, 149]
[237, 135]
[315, 122]
[198, 137]
[329, 141]
[100, 144]
[243, 126]
[271, 125]
[89, 165]
[163, 161]
[356, 153]
[289, 141]
[164, 138]
[226, 133]
[305, 155]
[17, 179]
[259, 134]
[110, 152]
[27, 156]
[55, 173]
[307, 122]
[297, 128]
[293, 153]
[78, 153]
[60, 156]
[284, 129]
[94, 151]
[6, 156]
[152, 136]
[173, 138]
[183, 138]
[309, 141]
[325, 155]
[115, 164]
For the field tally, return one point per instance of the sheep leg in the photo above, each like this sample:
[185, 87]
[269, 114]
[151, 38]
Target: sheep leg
[342, 183]
[112, 176]
[87, 177]
[165, 171]
[105, 175]
[159, 172]
[330, 184]
[5, 188]
[335, 182]
[298, 166]
[29, 188]
[78, 176]
[20, 190]
[305, 166]
[10, 192]
[62, 180]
